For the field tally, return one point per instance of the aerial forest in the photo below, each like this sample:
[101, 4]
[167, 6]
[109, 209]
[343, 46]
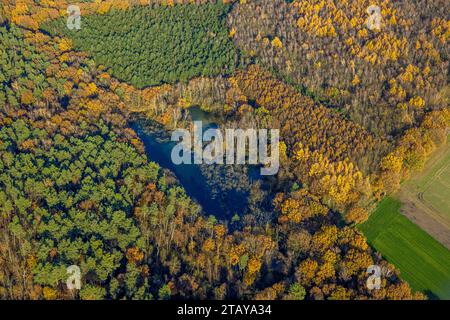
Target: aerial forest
[359, 111]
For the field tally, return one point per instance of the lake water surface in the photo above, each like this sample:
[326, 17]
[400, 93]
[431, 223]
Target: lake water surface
[221, 190]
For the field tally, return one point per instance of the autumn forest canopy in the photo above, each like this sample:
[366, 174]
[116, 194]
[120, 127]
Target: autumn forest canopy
[359, 112]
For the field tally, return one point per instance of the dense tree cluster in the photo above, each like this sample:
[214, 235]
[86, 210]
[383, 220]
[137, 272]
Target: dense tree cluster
[18, 58]
[68, 201]
[383, 79]
[327, 150]
[161, 44]
[413, 149]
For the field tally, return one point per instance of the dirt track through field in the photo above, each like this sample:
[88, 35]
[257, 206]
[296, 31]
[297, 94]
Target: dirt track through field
[422, 211]
[419, 216]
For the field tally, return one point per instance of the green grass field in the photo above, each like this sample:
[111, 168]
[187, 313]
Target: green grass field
[433, 184]
[423, 262]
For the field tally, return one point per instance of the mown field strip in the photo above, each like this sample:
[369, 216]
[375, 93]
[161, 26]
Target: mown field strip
[423, 262]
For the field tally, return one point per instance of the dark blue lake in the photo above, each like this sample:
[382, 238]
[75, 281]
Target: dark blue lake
[221, 190]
